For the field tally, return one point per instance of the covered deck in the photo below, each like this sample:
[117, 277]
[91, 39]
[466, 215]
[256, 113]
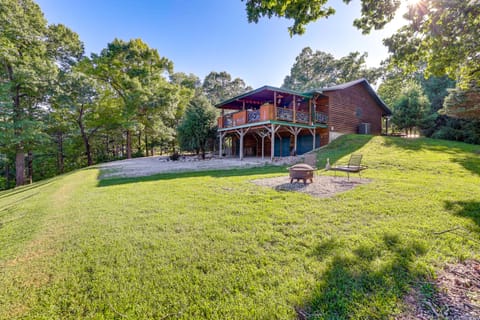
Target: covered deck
[269, 121]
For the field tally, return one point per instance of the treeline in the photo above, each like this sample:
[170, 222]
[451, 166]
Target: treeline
[61, 110]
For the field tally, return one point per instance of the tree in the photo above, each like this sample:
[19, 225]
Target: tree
[441, 35]
[375, 13]
[219, 86]
[314, 70]
[411, 109]
[463, 103]
[133, 70]
[30, 56]
[197, 127]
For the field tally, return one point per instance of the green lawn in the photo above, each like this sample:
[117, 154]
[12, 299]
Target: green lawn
[213, 245]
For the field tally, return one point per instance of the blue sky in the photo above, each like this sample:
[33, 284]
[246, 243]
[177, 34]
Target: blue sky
[200, 36]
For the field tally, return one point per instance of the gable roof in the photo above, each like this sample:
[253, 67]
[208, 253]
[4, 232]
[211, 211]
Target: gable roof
[266, 93]
[367, 86]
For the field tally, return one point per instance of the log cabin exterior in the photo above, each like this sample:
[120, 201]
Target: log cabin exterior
[273, 122]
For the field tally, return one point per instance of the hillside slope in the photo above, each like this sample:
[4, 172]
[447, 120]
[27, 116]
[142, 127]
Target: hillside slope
[213, 245]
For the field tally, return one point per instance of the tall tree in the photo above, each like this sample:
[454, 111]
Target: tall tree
[318, 69]
[412, 108]
[132, 69]
[30, 56]
[219, 86]
[198, 126]
[463, 103]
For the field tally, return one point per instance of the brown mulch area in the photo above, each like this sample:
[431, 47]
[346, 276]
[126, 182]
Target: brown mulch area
[322, 186]
[456, 295]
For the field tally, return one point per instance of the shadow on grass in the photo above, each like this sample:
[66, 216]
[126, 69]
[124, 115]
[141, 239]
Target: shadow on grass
[365, 282]
[440, 145]
[18, 190]
[471, 163]
[194, 174]
[341, 147]
[467, 209]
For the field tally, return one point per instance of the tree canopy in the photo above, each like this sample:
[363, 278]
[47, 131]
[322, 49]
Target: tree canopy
[318, 69]
[198, 126]
[219, 86]
[375, 13]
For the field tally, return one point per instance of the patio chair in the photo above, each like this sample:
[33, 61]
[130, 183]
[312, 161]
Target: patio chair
[353, 166]
[311, 160]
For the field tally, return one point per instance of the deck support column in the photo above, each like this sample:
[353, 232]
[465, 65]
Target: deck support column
[313, 131]
[294, 131]
[263, 134]
[220, 147]
[272, 132]
[241, 133]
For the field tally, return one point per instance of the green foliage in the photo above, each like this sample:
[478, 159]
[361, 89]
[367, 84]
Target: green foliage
[314, 70]
[463, 103]
[219, 86]
[213, 245]
[135, 72]
[31, 54]
[375, 13]
[441, 35]
[412, 108]
[197, 128]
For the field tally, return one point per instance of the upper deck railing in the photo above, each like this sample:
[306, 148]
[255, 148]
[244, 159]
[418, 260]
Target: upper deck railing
[269, 112]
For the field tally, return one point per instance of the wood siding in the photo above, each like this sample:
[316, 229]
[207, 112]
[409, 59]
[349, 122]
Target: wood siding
[348, 108]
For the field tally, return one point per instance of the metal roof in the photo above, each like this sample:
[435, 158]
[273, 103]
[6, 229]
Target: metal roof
[264, 93]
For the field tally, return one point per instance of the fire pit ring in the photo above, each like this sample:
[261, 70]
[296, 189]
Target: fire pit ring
[301, 171]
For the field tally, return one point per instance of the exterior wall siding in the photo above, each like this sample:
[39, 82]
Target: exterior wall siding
[350, 107]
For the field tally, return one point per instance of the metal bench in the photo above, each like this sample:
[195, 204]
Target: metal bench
[353, 166]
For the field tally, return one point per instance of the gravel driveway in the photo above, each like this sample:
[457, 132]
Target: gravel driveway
[151, 165]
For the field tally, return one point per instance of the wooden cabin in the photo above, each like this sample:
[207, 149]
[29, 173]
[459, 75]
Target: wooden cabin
[273, 122]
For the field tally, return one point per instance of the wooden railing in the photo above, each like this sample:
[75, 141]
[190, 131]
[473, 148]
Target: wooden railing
[268, 112]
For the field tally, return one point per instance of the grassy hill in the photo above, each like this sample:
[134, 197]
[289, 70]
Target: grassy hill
[213, 245]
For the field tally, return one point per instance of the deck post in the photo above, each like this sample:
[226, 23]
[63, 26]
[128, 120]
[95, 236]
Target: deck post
[272, 142]
[294, 131]
[313, 134]
[241, 133]
[263, 134]
[220, 149]
[295, 111]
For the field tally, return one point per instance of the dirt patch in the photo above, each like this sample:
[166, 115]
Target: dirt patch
[322, 186]
[454, 294]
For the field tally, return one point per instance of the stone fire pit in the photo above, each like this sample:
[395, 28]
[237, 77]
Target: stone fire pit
[301, 171]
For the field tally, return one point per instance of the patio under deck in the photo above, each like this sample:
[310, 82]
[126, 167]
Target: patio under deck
[268, 129]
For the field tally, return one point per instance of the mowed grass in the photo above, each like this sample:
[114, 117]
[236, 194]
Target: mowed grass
[212, 245]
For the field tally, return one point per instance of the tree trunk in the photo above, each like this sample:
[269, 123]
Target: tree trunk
[139, 149]
[86, 142]
[60, 157]
[30, 167]
[129, 144]
[7, 175]
[17, 118]
[20, 167]
[146, 144]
